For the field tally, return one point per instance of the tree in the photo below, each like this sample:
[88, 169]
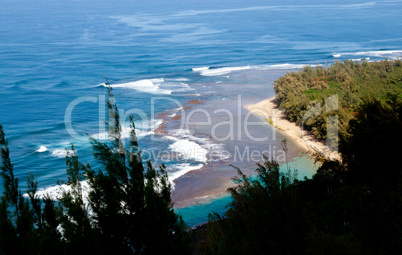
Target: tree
[118, 208]
[263, 217]
[369, 151]
[17, 233]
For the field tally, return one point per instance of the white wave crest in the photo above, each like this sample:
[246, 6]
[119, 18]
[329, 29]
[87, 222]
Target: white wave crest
[212, 147]
[175, 111]
[286, 66]
[378, 53]
[179, 79]
[181, 169]
[178, 170]
[206, 71]
[55, 192]
[200, 69]
[41, 149]
[61, 153]
[188, 149]
[146, 85]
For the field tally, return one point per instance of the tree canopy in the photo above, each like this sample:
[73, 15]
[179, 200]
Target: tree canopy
[352, 82]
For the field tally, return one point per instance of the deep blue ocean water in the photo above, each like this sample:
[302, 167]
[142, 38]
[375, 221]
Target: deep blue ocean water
[55, 52]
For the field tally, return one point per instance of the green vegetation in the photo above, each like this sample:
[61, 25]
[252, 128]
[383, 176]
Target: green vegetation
[303, 94]
[127, 211]
[352, 206]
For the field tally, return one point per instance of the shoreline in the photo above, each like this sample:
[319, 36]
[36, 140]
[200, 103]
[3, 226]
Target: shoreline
[211, 181]
[269, 110]
[197, 186]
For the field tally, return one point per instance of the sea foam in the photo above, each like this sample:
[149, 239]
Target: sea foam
[190, 150]
[55, 192]
[207, 71]
[60, 153]
[206, 143]
[41, 149]
[181, 169]
[394, 54]
[286, 66]
[146, 85]
[179, 79]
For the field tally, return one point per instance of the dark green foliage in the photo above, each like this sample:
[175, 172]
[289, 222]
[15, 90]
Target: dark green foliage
[352, 82]
[11, 191]
[8, 235]
[374, 133]
[117, 209]
[264, 216]
[24, 227]
[16, 221]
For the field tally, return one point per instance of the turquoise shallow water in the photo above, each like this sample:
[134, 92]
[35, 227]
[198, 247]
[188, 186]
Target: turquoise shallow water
[198, 214]
[53, 53]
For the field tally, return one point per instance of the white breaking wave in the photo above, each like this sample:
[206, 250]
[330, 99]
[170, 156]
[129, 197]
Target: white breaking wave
[379, 53]
[200, 69]
[179, 79]
[155, 86]
[286, 66]
[207, 71]
[41, 149]
[181, 169]
[188, 149]
[178, 170]
[175, 112]
[55, 192]
[60, 153]
[204, 142]
[146, 85]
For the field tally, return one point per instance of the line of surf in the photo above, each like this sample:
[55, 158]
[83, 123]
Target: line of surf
[210, 71]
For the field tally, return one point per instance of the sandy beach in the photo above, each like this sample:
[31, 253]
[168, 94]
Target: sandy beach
[269, 110]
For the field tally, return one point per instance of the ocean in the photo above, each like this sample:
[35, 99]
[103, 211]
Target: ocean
[165, 59]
